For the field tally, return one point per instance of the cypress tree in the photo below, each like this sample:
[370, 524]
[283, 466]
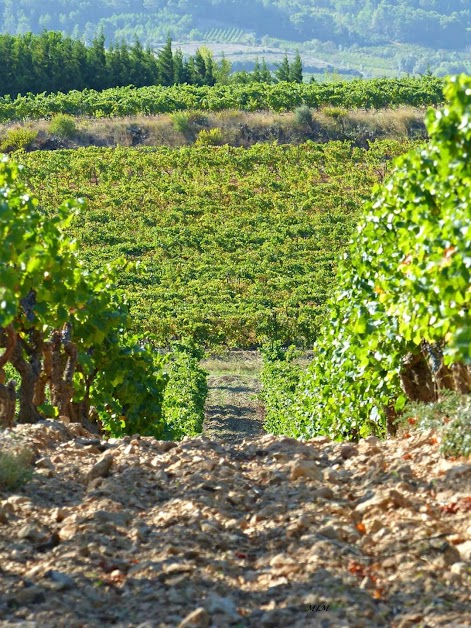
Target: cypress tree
[179, 74]
[296, 69]
[223, 70]
[283, 71]
[265, 74]
[97, 76]
[199, 68]
[189, 71]
[256, 73]
[165, 64]
[209, 72]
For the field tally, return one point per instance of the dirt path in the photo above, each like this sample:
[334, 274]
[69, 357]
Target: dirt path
[233, 410]
[266, 533]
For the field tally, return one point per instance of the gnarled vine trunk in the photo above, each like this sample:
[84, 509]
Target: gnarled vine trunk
[26, 359]
[7, 391]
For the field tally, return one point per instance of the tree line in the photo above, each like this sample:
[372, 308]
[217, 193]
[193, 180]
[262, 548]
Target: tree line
[52, 62]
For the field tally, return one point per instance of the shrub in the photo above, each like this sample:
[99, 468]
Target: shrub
[336, 113]
[15, 469]
[181, 122]
[303, 116]
[18, 138]
[210, 137]
[404, 285]
[63, 125]
[55, 311]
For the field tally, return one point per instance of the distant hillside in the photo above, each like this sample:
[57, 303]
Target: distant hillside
[434, 23]
[402, 35]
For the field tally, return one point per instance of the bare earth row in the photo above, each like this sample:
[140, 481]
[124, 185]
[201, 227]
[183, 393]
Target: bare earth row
[267, 532]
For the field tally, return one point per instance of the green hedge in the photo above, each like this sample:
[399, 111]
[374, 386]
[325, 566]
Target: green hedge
[185, 393]
[126, 101]
[280, 377]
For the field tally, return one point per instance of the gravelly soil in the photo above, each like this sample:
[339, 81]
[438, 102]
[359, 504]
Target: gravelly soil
[267, 532]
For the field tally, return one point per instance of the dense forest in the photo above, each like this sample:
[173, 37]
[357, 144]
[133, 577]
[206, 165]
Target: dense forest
[51, 62]
[432, 23]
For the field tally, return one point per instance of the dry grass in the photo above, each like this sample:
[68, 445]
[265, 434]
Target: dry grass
[239, 128]
[383, 123]
[235, 363]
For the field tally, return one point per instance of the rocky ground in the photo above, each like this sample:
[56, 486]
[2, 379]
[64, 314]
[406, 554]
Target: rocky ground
[266, 532]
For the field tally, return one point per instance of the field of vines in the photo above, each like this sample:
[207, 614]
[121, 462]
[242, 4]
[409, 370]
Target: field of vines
[236, 245]
[125, 101]
[398, 328]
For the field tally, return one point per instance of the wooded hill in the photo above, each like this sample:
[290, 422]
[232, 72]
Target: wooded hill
[432, 23]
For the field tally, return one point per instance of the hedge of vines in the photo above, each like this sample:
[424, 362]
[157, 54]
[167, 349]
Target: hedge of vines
[399, 324]
[65, 330]
[126, 101]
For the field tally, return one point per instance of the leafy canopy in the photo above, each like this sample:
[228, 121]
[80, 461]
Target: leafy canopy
[406, 279]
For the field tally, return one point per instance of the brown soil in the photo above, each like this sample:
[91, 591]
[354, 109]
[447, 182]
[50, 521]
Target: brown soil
[263, 532]
[233, 410]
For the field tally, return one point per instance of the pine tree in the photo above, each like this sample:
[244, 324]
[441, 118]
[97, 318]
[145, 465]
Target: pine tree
[138, 59]
[199, 68]
[223, 70]
[296, 69]
[256, 75]
[189, 71]
[209, 78]
[179, 74]
[165, 64]
[265, 74]
[97, 72]
[283, 71]
[126, 68]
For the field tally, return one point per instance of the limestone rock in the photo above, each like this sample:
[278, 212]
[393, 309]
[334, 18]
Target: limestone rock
[306, 469]
[199, 618]
[348, 451]
[464, 550]
[101, 469]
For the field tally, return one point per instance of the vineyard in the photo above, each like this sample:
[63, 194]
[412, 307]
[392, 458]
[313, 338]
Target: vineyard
[398, 326]
[125, 101]
[225, 247]
[235, 314]
[236, 245]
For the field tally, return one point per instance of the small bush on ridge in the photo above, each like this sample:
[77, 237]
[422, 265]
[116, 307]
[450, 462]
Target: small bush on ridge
[210, 137]
[303, 115]
[18, 138]
[63, 125]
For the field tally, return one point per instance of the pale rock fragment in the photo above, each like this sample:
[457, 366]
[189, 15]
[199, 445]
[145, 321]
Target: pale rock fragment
[101, 469]
[34, 533]
[461, 568]
[324, 493]
[305, 469]
[198, 618]
[19, 500]
[464, 550]
[225, 605]
[120, 518]
[61, 580]
[45, 463]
